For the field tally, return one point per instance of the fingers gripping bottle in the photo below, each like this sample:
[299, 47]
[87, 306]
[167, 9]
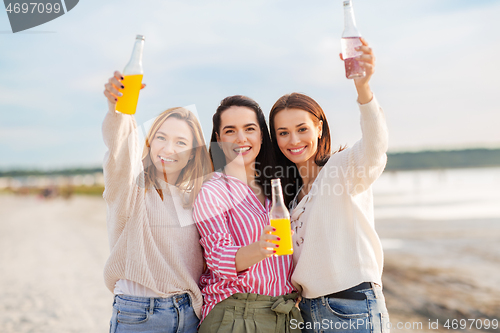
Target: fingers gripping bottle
[132, 79]
[280, 219]
[350, 40]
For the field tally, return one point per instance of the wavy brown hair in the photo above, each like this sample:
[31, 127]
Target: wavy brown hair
[198, 168]
[264, 162]
[292, 180]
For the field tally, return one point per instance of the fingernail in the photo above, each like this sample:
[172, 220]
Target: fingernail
[277, 245]
[116, 99]
[279, 238]
[123, 78]
[123, 87]
[120, 94]
[274, 229]
[274, 251]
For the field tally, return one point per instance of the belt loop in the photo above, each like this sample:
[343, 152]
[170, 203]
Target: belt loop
[372, 284]
[323, 300]
[151, 305]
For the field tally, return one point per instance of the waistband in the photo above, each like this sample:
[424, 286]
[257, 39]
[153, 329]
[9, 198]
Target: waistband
[352, 293]
[283, 306]
[258, 298]
[154, 302]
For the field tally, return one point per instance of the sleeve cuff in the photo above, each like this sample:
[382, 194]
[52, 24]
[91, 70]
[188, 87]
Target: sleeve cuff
[370, 106]
[225, 266]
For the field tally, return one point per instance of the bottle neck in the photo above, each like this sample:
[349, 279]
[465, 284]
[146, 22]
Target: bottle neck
[277, 196]
[134, 66]
[350, 29]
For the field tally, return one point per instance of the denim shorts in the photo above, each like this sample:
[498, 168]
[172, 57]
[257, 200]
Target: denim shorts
[153, 315]
[326, 314]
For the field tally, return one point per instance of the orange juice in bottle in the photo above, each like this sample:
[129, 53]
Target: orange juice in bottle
[280, 219]
[132, 81]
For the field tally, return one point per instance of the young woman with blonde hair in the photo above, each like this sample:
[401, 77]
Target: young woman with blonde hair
[156, 260]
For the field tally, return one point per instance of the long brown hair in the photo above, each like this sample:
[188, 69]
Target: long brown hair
[292, 180]
[198, 167]
[265, 161]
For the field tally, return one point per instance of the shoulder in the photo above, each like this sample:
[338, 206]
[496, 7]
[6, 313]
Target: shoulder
[215, 185]
[337, 158]
[213, 194]
[213, 201]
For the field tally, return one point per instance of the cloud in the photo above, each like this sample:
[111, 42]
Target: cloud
[434, 75]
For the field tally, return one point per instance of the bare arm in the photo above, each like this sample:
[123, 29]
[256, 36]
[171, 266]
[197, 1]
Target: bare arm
[249, 255]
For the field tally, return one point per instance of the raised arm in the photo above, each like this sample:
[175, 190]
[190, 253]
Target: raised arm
[365, 161]
[122, 161]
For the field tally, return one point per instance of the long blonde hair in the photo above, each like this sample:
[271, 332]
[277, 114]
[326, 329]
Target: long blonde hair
[198, 168]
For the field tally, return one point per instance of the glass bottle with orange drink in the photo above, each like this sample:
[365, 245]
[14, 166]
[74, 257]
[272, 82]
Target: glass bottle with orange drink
[280, 220]
[132, 81]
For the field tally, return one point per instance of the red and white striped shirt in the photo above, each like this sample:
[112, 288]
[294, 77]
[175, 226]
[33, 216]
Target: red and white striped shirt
[229, 216]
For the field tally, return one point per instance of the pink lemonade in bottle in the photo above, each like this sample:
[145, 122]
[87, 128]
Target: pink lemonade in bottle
[352, 67]
[350, 40]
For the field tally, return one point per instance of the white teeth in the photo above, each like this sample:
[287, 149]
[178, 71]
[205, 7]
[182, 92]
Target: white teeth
[296, 150]
[166, 159]
[241, 150]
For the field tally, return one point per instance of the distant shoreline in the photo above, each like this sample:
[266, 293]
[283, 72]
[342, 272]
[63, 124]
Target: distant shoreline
[401, 161]
[443, 159]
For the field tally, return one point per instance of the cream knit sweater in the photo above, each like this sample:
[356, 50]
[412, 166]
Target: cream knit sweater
[154, 243]
[336, 246]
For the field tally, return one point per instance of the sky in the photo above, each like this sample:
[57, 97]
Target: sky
[436, 70]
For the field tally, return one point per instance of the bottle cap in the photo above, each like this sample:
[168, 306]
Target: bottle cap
[140, 37]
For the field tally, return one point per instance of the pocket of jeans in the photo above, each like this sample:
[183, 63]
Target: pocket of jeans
[132, 315]
[347, 308]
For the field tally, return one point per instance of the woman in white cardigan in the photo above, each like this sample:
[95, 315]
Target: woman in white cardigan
[337, 252]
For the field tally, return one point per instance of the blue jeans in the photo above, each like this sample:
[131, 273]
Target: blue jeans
[153, 315]
[326, 314]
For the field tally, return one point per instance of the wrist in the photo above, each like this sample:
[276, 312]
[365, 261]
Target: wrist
[365, 94]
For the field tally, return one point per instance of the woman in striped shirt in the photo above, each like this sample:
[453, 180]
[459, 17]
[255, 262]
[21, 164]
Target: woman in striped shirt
[247, 289]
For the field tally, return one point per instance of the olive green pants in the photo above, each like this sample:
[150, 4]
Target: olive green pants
[252, 313]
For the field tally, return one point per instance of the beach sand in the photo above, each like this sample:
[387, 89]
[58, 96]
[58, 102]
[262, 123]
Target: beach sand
[52, 254]
[442, 271]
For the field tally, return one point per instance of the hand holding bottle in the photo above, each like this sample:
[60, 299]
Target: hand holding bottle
[267, 242]
[113, 87]
[367, 61]
[249, 255]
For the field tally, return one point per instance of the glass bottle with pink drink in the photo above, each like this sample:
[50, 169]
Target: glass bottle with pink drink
[350, 40]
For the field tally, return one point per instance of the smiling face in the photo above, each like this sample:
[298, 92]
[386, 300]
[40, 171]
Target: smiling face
[239, 135]
[297, 133]
[171, 148]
